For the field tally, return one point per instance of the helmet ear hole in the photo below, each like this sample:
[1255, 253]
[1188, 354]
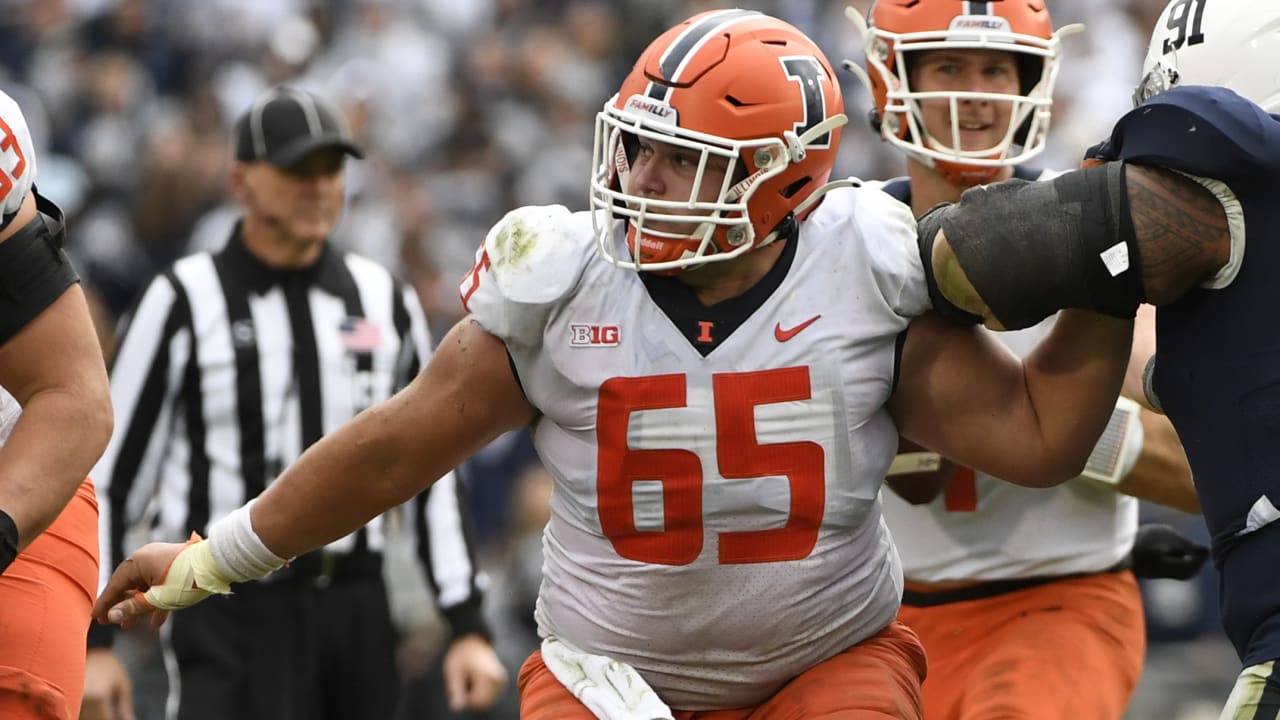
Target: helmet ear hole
[795, 187]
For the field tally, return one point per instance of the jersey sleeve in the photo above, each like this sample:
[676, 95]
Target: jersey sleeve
[888, 230]
[529, 261]
[1200, 130]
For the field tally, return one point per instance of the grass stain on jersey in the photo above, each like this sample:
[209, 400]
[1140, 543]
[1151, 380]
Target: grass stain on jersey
[515, 242]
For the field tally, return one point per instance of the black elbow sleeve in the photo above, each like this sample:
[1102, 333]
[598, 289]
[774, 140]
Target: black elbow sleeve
[1033, 248]
[34, 271]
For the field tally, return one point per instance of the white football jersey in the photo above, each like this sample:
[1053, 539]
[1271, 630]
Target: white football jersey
[982, 528]
[714, 521]
[17, 156]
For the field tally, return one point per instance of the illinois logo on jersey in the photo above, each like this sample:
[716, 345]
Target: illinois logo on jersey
[582, 335]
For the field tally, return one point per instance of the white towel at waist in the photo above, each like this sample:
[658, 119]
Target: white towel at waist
[611, 690]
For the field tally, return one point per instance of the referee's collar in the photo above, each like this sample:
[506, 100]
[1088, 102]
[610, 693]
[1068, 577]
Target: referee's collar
[259, 277]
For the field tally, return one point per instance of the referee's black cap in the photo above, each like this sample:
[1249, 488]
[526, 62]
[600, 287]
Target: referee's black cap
[285, 123]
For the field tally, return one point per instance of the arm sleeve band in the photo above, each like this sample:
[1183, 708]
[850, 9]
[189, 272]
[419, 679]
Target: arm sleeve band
[928, 231]
[1031, 249]
[34, 271]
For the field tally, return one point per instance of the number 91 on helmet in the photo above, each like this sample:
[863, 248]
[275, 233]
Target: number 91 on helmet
[753, 108]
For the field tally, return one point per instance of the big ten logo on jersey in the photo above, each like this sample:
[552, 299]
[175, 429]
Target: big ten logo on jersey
[594, 335]
[360, 338]
[13, 163]
[1185, 18]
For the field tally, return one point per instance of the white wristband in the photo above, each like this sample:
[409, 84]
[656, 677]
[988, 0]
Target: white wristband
[237, 549]
[1117, 451]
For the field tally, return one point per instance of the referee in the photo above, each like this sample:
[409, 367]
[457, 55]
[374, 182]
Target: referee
[230, 366]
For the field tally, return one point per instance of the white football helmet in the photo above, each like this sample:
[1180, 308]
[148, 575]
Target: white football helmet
[1228, 43]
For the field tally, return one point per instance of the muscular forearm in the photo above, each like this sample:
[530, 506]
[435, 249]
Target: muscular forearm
[54, 368]
[54, 444]
[1161, 474]
[1084, 350]
[342, 482]
[465, 398]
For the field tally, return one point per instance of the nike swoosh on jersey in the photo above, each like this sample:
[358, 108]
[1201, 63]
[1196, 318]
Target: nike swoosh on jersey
[785, 335]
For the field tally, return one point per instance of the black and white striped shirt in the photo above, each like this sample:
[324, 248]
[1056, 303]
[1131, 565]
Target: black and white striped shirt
[228, 369]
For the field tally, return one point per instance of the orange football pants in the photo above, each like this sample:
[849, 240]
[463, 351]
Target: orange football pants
[45, 598]
[877, 679]
[1071, 649]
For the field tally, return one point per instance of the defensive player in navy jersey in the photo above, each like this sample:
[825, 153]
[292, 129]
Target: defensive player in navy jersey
[1206, 108]
[1217, 371]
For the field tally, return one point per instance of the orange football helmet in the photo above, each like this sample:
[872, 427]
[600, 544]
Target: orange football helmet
[732, 84]
[900, 27]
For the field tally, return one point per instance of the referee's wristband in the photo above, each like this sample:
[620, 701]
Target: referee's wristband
[8, 541]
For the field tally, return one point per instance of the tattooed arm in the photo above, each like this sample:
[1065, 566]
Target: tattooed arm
[1014, 252]
[1182, 231]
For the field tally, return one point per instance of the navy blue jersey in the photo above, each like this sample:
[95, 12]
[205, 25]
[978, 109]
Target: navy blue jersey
[1217, 367]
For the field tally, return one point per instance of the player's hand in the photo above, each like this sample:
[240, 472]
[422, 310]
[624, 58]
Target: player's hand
[473, 674]
[159, 577]
[108, 693]
[1160, 551]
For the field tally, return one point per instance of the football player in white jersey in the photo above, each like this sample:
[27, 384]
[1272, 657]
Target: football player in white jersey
[716, 361]
[1022, 597]
[55, 420]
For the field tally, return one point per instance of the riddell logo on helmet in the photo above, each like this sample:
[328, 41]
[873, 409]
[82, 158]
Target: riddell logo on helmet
[659, 111]
[980, 22]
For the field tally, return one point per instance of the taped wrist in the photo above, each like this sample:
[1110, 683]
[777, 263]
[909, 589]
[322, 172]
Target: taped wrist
[192, 576]
[1031, 249]
[8, 541]
[239, 552]
[34, 271]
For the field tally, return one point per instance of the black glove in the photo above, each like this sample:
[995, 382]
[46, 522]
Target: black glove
[8, 541]
[1160, 551]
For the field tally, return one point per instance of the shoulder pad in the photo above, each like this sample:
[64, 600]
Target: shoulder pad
[529, 260]
[882, 232]
[1200, 130]
[899, 188]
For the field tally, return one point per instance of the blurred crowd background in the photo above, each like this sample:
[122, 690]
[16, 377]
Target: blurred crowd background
[466, 108]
